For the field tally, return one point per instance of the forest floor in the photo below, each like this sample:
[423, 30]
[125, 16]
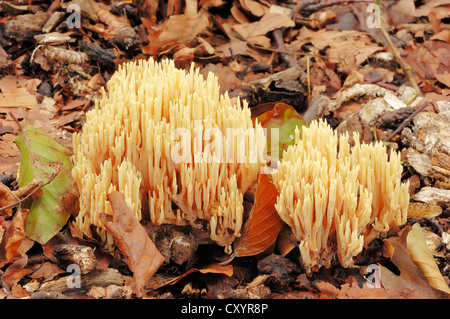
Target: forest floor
[384, 73]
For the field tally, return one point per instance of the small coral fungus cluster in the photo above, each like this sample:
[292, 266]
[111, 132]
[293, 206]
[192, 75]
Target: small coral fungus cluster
[337, 198]
[158, 137]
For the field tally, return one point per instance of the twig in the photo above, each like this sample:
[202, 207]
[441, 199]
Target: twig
[33, 189]
[278, 35]
[288, 58]
[259, 47]
[406, 121]
[308, 77]
[405, 67]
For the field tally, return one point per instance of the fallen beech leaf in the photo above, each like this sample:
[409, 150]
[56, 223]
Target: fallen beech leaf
[286, 119]
[44, 160]
[13, 237]
[286, 241]
[20, 98]
[263, 225]
[421, 255]
[256, 8]
[142, 256]
[444, 77]
[411, 279]
[47, 272]
[268, 22]
[176, 30]
[210, 269]
[16, 271]
[6, 198]
[352, 290]
[17, 92]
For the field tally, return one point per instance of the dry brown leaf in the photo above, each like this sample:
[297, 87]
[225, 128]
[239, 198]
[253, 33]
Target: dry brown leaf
[18, 92]
[263, 225]
[411, 283]
[269, 22]
[444, 78]
[254, 7]
[402, 12]
[148, 7]
[13, 237]
[429, 58]
[440, 7]
[5, 60]
[6, 198]
[286, 241]
[16, 271]
[354, 291]
[18, 98]
[47, 272]
[131, 238]
[421, 255]
[238, 14]
[214, 268]
[344, 46]
[228, 81]
[176, 30]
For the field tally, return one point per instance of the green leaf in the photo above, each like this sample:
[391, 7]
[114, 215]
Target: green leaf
[286, 119]
[49, 163]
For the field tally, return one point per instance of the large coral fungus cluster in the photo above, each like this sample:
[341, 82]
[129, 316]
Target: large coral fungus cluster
[338, 198]
[166, 139]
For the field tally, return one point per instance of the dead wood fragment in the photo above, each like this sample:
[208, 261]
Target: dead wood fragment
[278, 268]
[25, 26]
[254, 290]
[65, 56]
[83, 256]
[105, 57]
[432, 195]
[102, 278]
[55, 19]
[53, 37]
[175, 245]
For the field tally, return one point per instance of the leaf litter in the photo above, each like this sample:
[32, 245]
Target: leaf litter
[317, 59]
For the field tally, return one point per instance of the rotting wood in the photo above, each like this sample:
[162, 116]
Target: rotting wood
[68, 284]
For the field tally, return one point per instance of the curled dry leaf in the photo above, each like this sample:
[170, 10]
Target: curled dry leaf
[7, 198]
[162, 279]
[214, 268]
[263, 225]
[419, 274]
[10, 244]
[143, 257]
[421, 255]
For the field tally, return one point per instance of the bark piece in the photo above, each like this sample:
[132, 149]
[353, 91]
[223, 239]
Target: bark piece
[83, 256]
[102, 278]
[25, 26]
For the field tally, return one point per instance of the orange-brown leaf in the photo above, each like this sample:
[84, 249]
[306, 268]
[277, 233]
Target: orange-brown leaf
[143, 257]
[214, 268]
[13, 237]
[263, 225]
[412, 278]
[422, 256]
